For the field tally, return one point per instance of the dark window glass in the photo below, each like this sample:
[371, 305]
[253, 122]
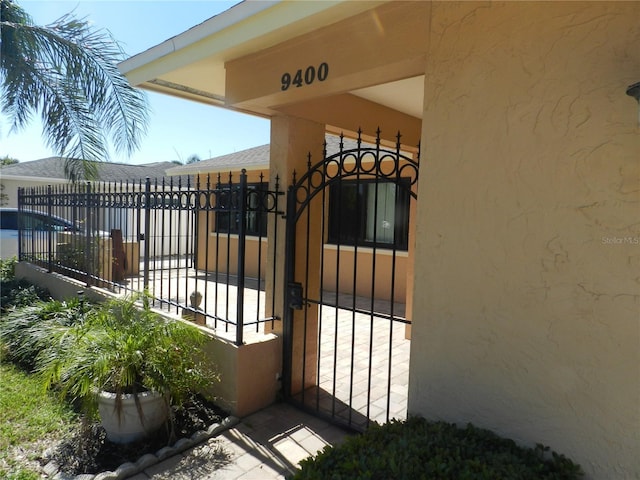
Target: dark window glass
[369, 213]
[256, 217]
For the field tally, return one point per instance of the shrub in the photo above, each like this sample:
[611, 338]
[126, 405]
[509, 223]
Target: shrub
[14, 292]
[121, 348]
[25, 331]
[420, 449]
[8, 268]
[19, 293]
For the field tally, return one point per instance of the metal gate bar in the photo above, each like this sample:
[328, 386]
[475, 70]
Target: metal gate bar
[157, 224]
[359, 346]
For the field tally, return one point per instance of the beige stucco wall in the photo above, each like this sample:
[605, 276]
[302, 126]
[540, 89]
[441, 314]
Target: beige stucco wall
[9, 187]
[380, 285]
[227, 251]
[527, 290]
[248, 374]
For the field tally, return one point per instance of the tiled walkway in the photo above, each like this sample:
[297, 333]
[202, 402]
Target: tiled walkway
[364, 369]
[266, 445]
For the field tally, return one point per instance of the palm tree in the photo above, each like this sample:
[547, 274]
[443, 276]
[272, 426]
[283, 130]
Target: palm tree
[67, 73]
[192, 159]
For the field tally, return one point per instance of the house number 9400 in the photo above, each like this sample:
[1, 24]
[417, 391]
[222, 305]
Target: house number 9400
[306, 77]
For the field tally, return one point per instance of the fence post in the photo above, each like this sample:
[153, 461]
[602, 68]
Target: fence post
[21, 193]
[49, 231]
[88, 260]
[289, 270]
[147, 227]
[242, 236]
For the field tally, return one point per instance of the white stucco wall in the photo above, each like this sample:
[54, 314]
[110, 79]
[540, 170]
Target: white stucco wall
[10, 187]
[170, 240]
[528, 242]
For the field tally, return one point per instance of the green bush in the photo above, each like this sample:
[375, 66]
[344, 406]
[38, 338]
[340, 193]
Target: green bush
[19, 293]
[124, 347]
[26, 330]
[419, 449]
[14, 292]
[8, 268]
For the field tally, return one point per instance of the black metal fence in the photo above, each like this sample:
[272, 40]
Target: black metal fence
[199, 248]
[345, 351]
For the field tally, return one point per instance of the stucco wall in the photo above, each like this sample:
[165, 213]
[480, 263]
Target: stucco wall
[10, 188]
[341, 271]
[527, 289]
[248, 374]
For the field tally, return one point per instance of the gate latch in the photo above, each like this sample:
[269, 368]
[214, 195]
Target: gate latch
[295, 295]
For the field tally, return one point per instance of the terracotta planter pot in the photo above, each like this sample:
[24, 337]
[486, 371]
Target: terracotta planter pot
[124, 424]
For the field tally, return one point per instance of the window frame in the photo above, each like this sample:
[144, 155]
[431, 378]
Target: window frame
[256, 217]
[348, 232]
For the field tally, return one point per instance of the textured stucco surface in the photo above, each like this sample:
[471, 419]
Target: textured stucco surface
[528, 242]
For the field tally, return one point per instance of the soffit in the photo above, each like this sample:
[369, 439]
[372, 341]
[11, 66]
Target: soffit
[192, 64]
[195, 59]
[405, 96]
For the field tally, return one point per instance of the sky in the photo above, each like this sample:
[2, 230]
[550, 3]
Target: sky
[178, 128]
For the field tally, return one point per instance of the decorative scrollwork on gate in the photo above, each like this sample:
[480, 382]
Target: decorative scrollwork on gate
[362, 161]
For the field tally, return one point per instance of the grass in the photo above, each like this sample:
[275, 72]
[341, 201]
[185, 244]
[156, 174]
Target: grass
[30, 421]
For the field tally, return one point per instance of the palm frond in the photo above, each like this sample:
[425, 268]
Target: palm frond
[68, 72]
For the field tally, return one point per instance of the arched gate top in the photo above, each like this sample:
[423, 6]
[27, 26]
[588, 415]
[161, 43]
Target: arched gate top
[363, 161]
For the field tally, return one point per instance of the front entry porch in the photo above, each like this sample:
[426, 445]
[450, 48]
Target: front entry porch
[363, 371]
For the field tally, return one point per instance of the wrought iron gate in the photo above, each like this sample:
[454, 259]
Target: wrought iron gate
[347, 264]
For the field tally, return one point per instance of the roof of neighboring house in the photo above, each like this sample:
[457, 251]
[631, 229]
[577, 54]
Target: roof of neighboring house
[52, 168]
[256, 158]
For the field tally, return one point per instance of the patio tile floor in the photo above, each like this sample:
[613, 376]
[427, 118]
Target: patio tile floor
[379, 381]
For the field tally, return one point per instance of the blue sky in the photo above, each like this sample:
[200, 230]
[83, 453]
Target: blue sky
[178, 128]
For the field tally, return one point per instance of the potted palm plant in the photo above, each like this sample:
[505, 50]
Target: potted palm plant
[127, 364]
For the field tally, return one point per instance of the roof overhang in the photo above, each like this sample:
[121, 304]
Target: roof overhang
[236, 60]
[191, 65]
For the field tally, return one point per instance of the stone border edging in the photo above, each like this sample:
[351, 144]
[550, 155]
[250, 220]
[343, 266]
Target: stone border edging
[128, 469]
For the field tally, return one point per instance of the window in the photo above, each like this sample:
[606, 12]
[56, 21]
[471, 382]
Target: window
[256, 216]
[369, 213]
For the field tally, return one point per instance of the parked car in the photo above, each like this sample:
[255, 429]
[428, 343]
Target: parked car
[31, 221]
